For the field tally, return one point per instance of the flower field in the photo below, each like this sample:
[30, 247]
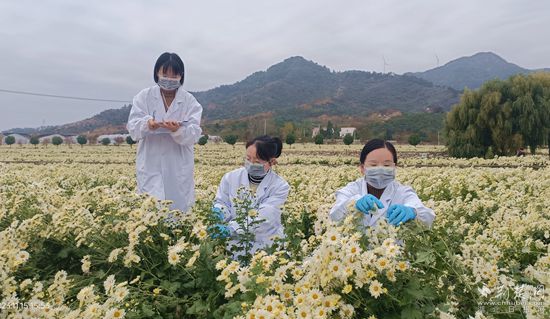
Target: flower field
[76, 241]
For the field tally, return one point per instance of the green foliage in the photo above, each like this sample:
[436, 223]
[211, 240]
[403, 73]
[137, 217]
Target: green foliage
[504, 115]
[57, 140]
[34, 140]
[10, 140]
[203, 140]
[490, 154]
[290, 139]
[414, 139]
[348, 139]
[81, 139]
[297, 89]
[423, 124]
[248, 220]
[230, 139]
[105, 141]
[319, 139]
[130, 141]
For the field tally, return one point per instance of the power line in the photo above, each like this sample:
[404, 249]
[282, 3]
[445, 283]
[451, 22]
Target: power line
[61, 96]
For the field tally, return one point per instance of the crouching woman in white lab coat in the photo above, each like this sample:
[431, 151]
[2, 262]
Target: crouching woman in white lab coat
[165, 120]
[271, 193]
[378, 189]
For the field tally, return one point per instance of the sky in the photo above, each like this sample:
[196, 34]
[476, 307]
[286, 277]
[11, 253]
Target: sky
[107, 49]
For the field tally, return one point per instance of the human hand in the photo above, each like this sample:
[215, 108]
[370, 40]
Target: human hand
[367, 203]
[399, 214]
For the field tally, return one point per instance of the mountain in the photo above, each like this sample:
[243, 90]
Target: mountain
[299, 88]
[295, 89]
[472, 71]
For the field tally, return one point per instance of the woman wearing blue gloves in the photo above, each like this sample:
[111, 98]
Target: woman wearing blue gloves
[377, 194]
[270, 189]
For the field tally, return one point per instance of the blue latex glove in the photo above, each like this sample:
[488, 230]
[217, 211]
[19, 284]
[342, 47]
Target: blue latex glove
[217, 214]
[366, 203]
[399, 214]
[219, 231]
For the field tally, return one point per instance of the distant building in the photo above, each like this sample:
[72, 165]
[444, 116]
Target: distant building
[316, 131]
[347, 130]
[214, 139]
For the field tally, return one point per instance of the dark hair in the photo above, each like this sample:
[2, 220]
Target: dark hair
[267, 147]
[375, 144]
[169, 61]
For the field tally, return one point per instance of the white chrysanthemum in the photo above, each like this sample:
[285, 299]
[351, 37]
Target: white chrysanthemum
[375, 289]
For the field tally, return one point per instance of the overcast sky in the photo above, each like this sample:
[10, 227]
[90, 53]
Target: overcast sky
[107, 49]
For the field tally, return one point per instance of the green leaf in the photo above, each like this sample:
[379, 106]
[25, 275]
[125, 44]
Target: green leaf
[64, 253]
[170, 286]
[424, 257]
[198, 307]
[146, 310]
[411, 313]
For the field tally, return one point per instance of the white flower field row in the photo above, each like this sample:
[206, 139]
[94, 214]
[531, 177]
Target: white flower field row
[76, 241]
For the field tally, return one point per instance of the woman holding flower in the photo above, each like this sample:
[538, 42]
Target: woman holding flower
[377, 194]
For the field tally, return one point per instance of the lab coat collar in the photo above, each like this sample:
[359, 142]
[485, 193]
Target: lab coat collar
[264, 184]
[179, 98]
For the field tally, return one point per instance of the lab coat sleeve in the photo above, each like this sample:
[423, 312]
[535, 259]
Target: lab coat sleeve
[423, 213]
[137, 120]
[269, 211]
[190, 132]
[343, 197]
[223, 199]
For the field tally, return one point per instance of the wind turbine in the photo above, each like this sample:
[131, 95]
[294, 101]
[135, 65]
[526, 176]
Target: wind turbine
[384, 59]
[437, 59]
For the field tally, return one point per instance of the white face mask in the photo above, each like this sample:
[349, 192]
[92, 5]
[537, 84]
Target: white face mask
[168, 84]
[254, 170]
[379, 176]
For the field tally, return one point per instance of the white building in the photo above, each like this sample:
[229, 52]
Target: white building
[347, 130]
[214, 139]
[315, 131]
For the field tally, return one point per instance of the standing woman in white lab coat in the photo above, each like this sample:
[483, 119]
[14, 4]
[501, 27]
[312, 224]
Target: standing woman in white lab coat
[165, 120]
[377, 194]
[271, 192]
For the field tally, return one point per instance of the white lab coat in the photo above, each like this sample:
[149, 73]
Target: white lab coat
[271, 194]
[165, 159]
[395, 193]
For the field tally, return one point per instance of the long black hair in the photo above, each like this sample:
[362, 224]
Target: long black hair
[267, 147]
[375, 144]
[169, 61]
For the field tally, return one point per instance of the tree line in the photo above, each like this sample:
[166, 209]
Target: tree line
[500, 118]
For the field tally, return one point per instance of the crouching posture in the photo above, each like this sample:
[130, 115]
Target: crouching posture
[271, 192]
[377, 195]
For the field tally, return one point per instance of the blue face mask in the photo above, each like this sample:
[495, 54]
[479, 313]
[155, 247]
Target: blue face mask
[379, 176]
[255, 170]
[168, 84]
